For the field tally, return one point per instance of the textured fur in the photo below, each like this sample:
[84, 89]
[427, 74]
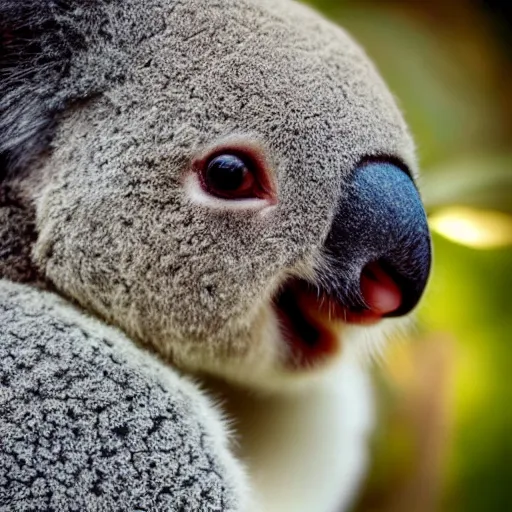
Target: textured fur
[89, 422]
[104, 105]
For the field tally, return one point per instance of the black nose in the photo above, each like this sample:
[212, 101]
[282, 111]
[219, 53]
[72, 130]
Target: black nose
[380, 221]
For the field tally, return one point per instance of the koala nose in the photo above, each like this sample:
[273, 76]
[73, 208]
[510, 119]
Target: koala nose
[378, 252]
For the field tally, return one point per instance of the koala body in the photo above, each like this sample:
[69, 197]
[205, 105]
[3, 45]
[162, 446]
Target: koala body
[90, 422]
[230, 185]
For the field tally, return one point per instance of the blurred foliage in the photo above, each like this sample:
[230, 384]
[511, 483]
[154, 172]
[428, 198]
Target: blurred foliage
[445, 437]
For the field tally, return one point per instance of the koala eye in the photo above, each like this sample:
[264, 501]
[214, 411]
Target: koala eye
[231, 177]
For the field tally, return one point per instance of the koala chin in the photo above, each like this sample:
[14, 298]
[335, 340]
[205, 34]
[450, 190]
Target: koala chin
[231, 188]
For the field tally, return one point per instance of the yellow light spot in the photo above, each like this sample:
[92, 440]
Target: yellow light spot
[481, 229]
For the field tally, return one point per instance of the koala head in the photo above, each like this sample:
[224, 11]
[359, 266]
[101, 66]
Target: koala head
[228, 182]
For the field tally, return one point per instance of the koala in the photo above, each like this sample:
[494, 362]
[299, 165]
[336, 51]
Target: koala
[208, 210]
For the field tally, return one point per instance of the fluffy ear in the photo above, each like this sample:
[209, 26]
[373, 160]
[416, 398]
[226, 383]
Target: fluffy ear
[54, 53]
[32, 58]
[38, 39]
[35, 51]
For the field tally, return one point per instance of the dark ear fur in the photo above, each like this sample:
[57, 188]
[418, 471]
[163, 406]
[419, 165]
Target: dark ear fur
[35, 51]
[40, 44]
[36, 45]
[41, 75]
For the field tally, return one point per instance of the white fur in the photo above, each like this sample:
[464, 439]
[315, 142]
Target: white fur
[306, 450]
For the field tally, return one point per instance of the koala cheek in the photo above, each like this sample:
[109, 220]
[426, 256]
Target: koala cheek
[173, 288]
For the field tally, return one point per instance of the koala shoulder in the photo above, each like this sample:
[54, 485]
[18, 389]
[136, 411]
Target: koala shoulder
[87, 415]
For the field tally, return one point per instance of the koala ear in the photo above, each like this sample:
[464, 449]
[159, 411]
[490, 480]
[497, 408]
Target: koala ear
[34, 56]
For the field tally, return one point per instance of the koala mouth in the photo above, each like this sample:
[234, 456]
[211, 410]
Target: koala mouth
[312, 320]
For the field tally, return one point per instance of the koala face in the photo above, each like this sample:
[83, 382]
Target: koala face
[235, 188]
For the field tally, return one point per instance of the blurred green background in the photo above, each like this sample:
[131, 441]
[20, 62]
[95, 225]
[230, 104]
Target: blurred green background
[445, 437]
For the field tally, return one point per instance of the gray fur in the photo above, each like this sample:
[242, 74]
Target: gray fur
[89, 422]
[17, 234]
